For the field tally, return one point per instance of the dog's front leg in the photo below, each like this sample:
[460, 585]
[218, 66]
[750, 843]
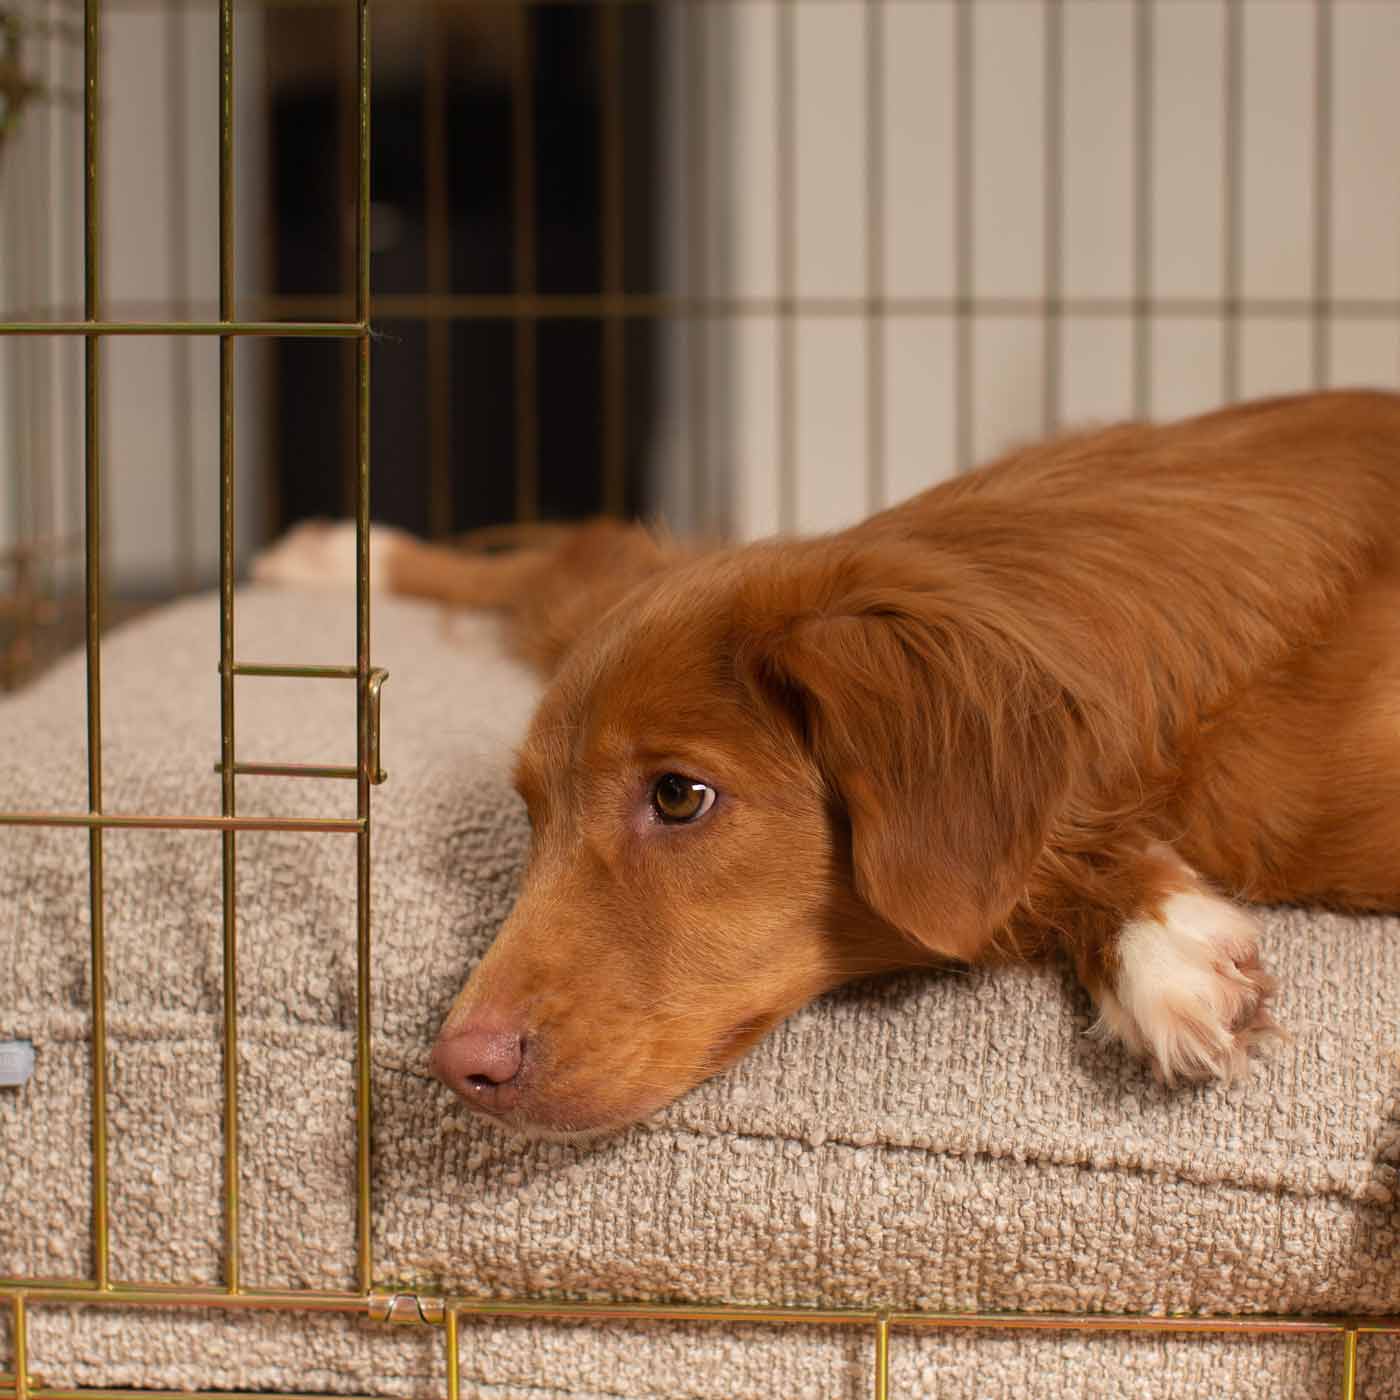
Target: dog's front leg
[1179, 980]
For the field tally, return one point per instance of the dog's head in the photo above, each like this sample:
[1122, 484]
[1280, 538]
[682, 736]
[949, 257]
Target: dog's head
[762, 775]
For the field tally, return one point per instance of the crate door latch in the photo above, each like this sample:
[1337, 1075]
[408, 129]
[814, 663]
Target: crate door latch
[373, 685]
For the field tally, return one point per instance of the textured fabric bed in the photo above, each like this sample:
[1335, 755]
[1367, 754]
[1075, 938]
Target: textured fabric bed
[936, 1142]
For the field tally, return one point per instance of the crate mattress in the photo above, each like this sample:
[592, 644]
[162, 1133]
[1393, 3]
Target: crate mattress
[943, 1141]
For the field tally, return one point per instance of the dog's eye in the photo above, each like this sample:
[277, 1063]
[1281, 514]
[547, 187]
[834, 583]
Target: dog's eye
[676, 798]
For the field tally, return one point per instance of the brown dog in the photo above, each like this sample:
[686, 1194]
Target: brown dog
[1081, 699]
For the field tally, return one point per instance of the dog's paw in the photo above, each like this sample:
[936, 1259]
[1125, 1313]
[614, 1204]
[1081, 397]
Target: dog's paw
[1190, 995]
[322, 554]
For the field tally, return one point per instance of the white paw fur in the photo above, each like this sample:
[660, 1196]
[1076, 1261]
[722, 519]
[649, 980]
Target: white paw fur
[321, 554]
[1190, 995]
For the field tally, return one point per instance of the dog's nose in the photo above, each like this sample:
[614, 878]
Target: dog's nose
[482, 1062]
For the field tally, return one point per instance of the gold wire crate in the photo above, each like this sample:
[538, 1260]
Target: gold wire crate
[348, 319]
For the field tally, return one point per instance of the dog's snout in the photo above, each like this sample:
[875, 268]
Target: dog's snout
[482, 1062]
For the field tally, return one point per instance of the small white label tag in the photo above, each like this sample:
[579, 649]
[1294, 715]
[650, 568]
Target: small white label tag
[16, 1063]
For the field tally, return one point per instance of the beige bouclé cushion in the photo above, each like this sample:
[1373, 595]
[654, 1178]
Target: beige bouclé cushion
[948, 1141]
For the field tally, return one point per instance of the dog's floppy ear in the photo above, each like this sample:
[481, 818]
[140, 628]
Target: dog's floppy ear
[946, 748]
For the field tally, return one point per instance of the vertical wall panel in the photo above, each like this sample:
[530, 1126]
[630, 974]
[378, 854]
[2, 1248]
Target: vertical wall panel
[1276, 356]
[1188, 149]
[1187, 360]
[10, 386]
[135, 179]
[919, 411]
[1008, 358]
[1098, 150]
[139, 501]
[1097, 370]
[1278, 145]
[744, 171]
[1008, 176]
[670, 466]
[830, 56]
[831, 475]
[919, 150]
[1366, 151]
[1365, 353]
[753, 396]
[199, 73]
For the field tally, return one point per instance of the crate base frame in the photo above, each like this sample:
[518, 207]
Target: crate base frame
[449, 1312]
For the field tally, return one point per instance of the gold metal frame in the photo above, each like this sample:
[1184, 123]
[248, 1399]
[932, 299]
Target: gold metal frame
[525, 308]
[449, 1313]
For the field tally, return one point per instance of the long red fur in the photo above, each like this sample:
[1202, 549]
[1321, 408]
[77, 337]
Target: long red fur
[1022, 700]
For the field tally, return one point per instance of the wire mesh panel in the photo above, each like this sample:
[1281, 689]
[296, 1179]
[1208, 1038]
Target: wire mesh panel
[91, 330]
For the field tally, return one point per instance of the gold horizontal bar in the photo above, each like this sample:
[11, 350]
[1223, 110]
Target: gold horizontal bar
[336, 313]
[1129, 1322]
[95, 821]
[45, 1393]
[160, 1295]
[660, 1312]
[289, 770]
[1098, 1322]
[431, 306]
[437, 1307]
[290, 329]
[339, 673]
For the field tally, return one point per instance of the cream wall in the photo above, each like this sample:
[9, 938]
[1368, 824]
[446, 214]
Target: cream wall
[915, 410]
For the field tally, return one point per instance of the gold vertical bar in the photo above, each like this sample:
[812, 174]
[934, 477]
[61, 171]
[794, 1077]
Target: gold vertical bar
[1322, 195]
[964, 56]
[527, 486]
[20, 241]
[1233, 201]
[614, 327]
[267, 449]
[232, 1254]
[92, 470]
[787, 265]
[697, 339]
[347, 38]
[1142, 207]
[364, 1223]
[882, 1357]
[875, 254]
[454, 1357]
[20, 1322]
[182, 351]
[439, 407]
[41, 442]
[1349, 1338]
[1054, 211]
[71, 351]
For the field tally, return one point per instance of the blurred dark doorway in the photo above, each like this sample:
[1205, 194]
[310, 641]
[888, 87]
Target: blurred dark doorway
[514, 151]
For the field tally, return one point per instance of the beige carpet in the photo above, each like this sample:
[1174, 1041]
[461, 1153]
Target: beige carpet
[933, 1142]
